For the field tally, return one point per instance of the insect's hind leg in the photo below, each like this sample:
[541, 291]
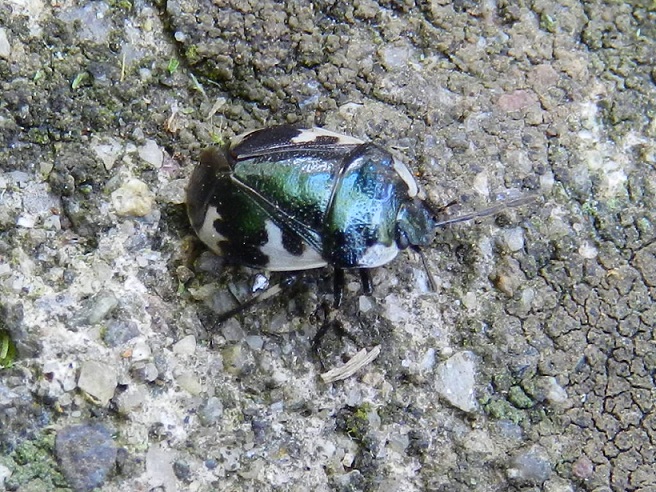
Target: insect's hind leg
[272, 291]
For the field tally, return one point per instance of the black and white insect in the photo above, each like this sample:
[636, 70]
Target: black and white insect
[288, 199]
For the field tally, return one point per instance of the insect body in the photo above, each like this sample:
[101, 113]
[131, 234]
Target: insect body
[286, 199]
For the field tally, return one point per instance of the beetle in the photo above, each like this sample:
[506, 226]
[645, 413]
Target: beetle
[289, 199]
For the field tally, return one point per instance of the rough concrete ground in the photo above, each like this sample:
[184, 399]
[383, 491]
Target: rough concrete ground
[532, 366]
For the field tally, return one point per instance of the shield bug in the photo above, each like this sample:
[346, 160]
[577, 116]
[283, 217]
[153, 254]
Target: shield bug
[288, 199]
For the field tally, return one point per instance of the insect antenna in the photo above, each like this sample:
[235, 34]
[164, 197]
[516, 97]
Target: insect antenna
[486, 212]
[438, 210]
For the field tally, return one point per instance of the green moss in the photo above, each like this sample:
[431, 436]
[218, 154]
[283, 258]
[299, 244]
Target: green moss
[548, 23]
[217, 139]
[82, 78]
[121, 5]
[7, 349]
[38, 136]
[519, 398]
[355, 422]
[33, 463]
[173, 65]
[503, 410]
[192, 55]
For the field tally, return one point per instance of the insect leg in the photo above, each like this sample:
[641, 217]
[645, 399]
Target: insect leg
[275, 289]
[338, 287]
[331, 323]
[431, 280]
[365, 278]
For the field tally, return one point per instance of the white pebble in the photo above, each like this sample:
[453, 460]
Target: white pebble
[151, 153]
[133, 198]
[98, 380]
[5, 47]
[588, 251]
[141, 351]
[26, 220]
[514, 239]
[470, 300]
[107, 151]
[185, 346]
[455, 379]
[365, 304]
[189, 382]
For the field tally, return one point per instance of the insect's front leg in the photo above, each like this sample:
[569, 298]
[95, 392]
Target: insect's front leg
[330, 323]
[338, 287]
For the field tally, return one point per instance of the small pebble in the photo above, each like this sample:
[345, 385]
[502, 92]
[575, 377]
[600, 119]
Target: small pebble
[151, 153]
[211, 413]
[134, 198]
[5, 473]
[132, 398]
[98, 380]
[146, 372]
[588, 251]
[514, 239]
[455, 379]
[365, 304]
[185, 346]
[5, 47]
[255, 342]
[182, 470]
[530, 467]
[189, 382]
[583, 468]
[119, 332]
[86, 454]
[107, 151]
[102, 305]
[554, 392]
[173, 192]
[159, 468]
[141, 351]
[470, 301]
[232, 330]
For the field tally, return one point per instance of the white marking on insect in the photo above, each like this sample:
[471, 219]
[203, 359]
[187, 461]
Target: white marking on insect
[208, 233]
[378, 255]
[310, 135]
[236, 140]
[281, 260]
[407, 177]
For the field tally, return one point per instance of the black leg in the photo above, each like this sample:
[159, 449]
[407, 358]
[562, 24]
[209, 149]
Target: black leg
[365, 278]
[274, 290]
[329, 324]
[338, 287]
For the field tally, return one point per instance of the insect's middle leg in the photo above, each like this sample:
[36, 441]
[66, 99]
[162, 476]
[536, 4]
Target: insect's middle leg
[338, 287]
[365, 278]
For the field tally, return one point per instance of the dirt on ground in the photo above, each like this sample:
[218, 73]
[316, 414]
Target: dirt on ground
[529, 367]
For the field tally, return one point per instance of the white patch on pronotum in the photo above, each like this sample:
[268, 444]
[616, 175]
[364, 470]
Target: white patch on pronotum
[378, 255]
[281, 260]
[407, 177]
